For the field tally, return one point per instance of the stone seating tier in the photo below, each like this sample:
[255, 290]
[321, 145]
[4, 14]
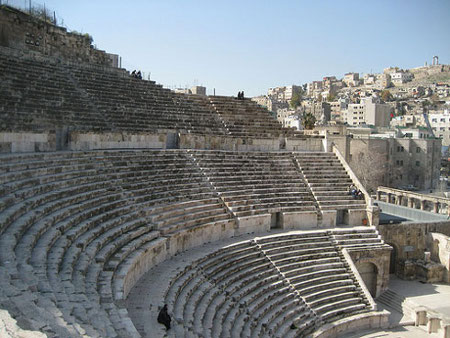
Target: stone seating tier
[41, 94]
[243, 290]
[74, 224]
[328, 180]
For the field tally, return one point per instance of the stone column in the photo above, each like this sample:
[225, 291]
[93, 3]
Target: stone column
[389, 197]
[379, 195]
[436, 207]
[422, 204]
[399, 200]
[410, 202]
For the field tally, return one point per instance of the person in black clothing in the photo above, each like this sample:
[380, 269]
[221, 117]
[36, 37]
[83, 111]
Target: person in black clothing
[164, 317]
[133, 73]
[139, 75]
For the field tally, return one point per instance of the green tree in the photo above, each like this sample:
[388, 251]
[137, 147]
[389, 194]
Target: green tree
[386, 96]
[296, 99]
[331, 98]
[308, 121]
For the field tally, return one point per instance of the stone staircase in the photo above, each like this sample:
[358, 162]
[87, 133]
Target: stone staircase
[392, 300]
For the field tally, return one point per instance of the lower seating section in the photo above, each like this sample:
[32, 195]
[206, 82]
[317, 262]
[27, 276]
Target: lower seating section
[74, 226]
[277, 286]
[313, 266]
[236, 292]
[254, 183]
[328, 181]
[70, 222]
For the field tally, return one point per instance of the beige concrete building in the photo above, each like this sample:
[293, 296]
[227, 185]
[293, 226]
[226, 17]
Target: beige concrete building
[392, 162]
[368, 112]
[351, 79]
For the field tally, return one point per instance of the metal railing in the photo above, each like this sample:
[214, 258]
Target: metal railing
[35, 9]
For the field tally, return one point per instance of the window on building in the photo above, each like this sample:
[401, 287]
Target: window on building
[434, 120]
[443, 119]
[417, 163]
[442, 128]
[418, 150]
[399, 163]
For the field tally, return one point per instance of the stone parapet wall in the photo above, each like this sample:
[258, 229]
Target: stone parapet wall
[90, 141]
[27, 142]
[19, 30]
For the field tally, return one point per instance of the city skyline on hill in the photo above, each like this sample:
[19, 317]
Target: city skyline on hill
[253, 46]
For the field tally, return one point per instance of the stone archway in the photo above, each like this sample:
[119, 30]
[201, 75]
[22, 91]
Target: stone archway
[369, 274]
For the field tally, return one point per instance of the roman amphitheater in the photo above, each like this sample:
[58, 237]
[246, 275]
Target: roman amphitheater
[119, 196]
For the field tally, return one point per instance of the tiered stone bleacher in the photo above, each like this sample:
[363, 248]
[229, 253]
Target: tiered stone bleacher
[39, 93]
[36, 95]
[328, 180]
[278, 286]
[359, 239]
[246, 118]
[313, 265]
[253, 183]
[235, 292]
[73, 223]
[134, 105]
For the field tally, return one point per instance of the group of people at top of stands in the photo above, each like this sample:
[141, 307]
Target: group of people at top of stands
[355, 192]
[136, 75]
[240, 95]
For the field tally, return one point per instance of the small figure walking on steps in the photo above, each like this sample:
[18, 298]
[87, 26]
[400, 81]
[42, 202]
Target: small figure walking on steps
[164, 317]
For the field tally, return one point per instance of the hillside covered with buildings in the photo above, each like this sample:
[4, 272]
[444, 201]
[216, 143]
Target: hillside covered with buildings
[395, 123]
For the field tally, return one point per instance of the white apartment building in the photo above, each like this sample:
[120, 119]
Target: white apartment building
[354, 116]
[400, 77]
[368, 112]
[440, 123]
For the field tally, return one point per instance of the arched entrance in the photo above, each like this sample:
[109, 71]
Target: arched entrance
[369, 274]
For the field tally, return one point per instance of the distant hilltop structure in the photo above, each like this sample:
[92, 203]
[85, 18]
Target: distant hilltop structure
[28, 32]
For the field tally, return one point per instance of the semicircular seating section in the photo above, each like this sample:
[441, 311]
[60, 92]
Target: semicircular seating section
[236, 292]
[73, 223]
[254, 183]
[314, 266]
[286, 285]
[328, 180]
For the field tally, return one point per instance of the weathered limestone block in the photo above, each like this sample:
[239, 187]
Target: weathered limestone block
[89, 141]
[329, 218]
[299, 220]
[254, 224]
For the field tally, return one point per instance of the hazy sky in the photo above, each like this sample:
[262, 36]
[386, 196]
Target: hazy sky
[253, 45]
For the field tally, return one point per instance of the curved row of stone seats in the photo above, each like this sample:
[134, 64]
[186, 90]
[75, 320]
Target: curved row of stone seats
[246, 118]
[72, 223]
[235, 292]
[253, 183]
[328, 180]
[36, 95]
[40, 93]
[360, 239]
[313, 265]
[138, 105]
